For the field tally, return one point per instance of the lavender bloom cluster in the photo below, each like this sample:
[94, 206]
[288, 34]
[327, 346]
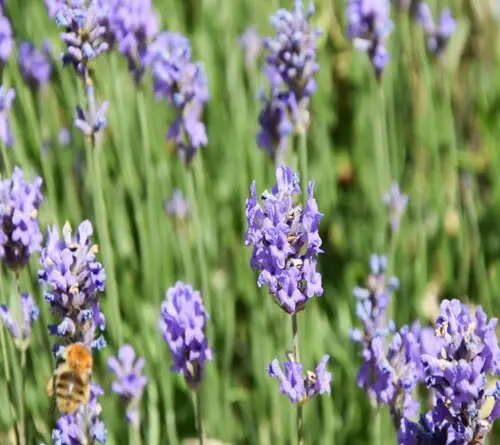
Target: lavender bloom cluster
[184, 84]
[177, 206]
[298, 387]
[85, 33]
[74, 279]
[6, 41]
[391, 366]
[90, 123]
[285, 241]
[252, 45]
[20, 332]
[458, 375]
[369, 25]
[7, 96]
[132, 25]
[20, 234]
[71, 428]
[34, 64]
[130, 381]
[439, 34]
[182, 323]
[291, 66]
[396, 203]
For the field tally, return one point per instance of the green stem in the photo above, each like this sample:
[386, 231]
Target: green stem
[199, 417]
[296, 357]
[6, 161]
[303, 162]
[22, 408]
[377, 430]
[135, 432]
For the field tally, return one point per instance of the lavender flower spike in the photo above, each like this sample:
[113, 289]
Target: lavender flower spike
[6, 99]
[177, 207]
[396, 203]
[184, 85]
[133, 24]
[34, 64]
[437, 36]
[285, 241]
[90, 124]
[369, 26]
[252, 44]
[84, 35]
[458, 375]
[182, 323]
[74, 279]
[6, 41]
[71, 428]
[130, 381]
[298, 387]
[20, 234]
[30, 313]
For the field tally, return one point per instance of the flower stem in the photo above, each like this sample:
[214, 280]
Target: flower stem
[5, 160]
[22, 424]
[296, 356]
[135, 432]
[199, 421]
[303, 162]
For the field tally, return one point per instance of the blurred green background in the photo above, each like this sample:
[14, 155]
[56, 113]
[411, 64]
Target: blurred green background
[433, 125]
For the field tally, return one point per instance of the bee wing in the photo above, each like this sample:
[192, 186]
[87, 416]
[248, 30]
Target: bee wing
[50, 387]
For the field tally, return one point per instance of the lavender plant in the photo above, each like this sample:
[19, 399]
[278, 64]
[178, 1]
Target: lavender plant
[182, 323]
[252, 45]
[6, 41]
[20, 331]
[458, 375]
[183, 84]
[7, 96]
[177, 206]
[74, 279]
[369, 25]
[439, 34]
[34, 64]
[129, 382]
[396, 203]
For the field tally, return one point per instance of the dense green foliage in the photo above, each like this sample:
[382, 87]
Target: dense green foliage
[431, 125]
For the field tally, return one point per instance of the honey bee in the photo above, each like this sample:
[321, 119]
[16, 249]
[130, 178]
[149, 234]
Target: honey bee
[70, 384]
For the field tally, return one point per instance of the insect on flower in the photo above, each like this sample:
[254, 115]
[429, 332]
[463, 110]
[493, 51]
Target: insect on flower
[70, 384]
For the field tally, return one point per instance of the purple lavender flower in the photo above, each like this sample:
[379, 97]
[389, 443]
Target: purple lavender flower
[252, 44]
[29, 312]
[184, 85]
[20, 234]
[369, 26]
[182, 322]
[285, 241]
[274, 119]
[34, 64]
[177, 207]
[396, 203]
[458, 375]
[130, 381]
[133, 24]
[292, 51]
[6, 99]
[71, 428]
[437, 36]
[91, 123]
[74, 278]
[6, 41]
[298, 387]
[84, 35]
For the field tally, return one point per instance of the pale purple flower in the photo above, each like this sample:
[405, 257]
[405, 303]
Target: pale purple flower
[458, 375]
[298, 387]
[91, 123]
[74, 279]
[64, 137]
[20, 331]
[177, 206]
[84, 33]
[184, 85]
[285, 241]
[20, 234]
[252, 45]
[132, 25]
[130, 381]
[34, 64]
[182, 323]
[396, 203]
[7, 96]
[369, 25]
[6, 41]
[71, 429]
[437, 35]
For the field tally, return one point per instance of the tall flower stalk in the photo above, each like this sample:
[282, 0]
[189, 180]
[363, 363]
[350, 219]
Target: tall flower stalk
[286, 243]
[182, 324]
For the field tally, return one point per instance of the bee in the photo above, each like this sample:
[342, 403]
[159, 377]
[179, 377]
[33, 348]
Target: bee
[70, 384]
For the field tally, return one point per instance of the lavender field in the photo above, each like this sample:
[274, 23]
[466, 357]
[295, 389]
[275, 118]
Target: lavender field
[255, 221]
